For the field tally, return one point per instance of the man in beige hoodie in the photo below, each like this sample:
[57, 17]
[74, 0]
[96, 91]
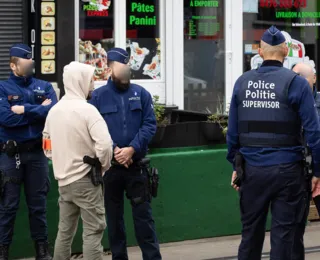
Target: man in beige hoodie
[73, 130]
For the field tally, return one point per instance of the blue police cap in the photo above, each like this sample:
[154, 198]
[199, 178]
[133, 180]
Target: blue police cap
[119, 55]
[21, 50]
[273, 36]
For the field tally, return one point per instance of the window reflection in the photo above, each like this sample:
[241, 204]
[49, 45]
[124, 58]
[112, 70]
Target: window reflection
[296, 19]
[204, 57]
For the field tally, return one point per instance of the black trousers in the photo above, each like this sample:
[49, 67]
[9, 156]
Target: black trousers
[135, 182]
[283, 189]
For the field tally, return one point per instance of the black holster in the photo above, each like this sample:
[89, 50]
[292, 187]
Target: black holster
[4, 180]
[153, 176]
[154, 181]
[96, 173]
[11, 148]
[239, 165]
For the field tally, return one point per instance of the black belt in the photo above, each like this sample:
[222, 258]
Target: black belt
[29, 146]
[136, 164]
[271, 127]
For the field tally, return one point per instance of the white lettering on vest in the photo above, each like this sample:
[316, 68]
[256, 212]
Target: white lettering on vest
[260, 104]
[261, 94]
[260, 85]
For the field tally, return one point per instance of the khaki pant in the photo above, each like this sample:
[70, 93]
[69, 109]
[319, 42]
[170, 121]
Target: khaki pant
[81, 198]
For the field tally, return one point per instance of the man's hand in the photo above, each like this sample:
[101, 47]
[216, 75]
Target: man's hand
[315, 183]
[47, 102]
[124, 155]
[234, 176]
[17, 109]
[116, 149]
[128, 163]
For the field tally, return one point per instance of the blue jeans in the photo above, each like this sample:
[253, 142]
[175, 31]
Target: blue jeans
[33, 173]
[134, 182]
[283, 189]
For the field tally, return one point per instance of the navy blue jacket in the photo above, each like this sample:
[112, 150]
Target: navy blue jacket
[29, 93]
[299, 97]
[317, 100]
[128, 114]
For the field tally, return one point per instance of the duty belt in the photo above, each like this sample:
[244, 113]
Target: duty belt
[30, 146]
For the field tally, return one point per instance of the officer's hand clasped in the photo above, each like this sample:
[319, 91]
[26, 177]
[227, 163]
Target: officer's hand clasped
[124, 155]
[128, 163]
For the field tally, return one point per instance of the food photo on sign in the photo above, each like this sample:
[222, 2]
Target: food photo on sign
[100, 5]
[144, 61]
[47, 8]
[95, 55]
[296, 54]
[145, 57]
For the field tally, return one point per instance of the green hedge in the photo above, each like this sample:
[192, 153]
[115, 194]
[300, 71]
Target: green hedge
[195, 201]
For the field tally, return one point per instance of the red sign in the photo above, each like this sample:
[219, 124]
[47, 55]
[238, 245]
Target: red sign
[284, 3]
[97, 7]
[98, 13]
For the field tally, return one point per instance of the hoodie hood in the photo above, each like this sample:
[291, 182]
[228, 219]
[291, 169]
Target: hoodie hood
[76, 79]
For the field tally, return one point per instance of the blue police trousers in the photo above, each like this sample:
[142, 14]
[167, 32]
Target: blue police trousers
[283, 189]
[134, 182]
[33, 173]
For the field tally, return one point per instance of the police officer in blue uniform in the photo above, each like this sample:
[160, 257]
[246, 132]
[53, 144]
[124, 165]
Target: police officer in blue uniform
[268, 109]
[24, 105]
[309, 73]
[128, 111]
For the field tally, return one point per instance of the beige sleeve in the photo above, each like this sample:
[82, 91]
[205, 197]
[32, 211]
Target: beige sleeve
[46, 141]
[102, 141]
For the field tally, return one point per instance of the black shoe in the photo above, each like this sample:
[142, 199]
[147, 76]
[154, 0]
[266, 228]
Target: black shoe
[4, 252]
[42, 251]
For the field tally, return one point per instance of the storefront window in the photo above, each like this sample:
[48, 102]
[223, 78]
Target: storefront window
[96, 34]
[299, 21]
[143, 38]
[204, 56]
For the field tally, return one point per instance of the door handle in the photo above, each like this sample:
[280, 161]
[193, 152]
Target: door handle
[32, 7]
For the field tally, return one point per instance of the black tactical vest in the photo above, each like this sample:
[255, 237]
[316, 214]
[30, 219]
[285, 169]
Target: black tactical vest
[265, 117]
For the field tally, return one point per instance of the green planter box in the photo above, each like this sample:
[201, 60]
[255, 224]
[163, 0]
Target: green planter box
[194, 201]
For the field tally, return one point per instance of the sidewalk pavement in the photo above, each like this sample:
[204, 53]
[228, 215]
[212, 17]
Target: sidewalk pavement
[223, 248]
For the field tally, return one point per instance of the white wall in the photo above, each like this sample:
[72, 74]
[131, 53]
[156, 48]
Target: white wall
[234, 45]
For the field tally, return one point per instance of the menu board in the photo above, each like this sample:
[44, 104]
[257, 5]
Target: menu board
[201, 19]
[41, 37]
[143, 38]
[48, 35]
